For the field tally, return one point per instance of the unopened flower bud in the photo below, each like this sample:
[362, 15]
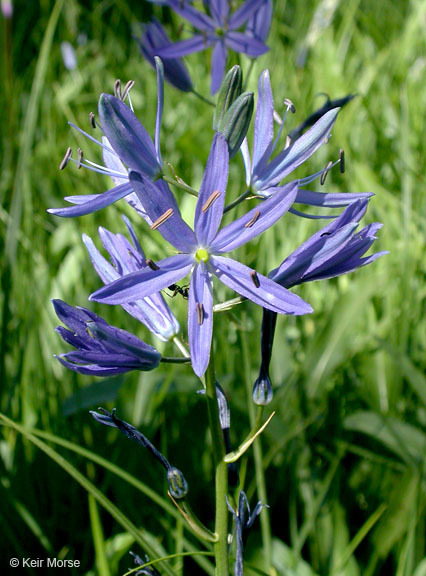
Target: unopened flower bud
[262, 390]
[236, 122]
[178, 486]
[229, 91]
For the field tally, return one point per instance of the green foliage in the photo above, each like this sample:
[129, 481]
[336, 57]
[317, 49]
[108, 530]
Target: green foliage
[344, 454]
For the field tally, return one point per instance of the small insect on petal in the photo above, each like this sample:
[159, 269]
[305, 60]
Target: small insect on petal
[151, 264]
[163, 218]
[200, 312]
[255, 278]
[342, 161]
[65, 159]
[324, 174]
[253, 220]
[213, 196]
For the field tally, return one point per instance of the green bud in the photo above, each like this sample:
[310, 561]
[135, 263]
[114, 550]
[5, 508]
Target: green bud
[178, 486]
[229, 91]
[236, 122]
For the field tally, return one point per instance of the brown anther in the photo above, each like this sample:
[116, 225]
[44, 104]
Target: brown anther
[342, 161]
[290, 105]
[65, 159]
[325, 234]
[326, 170]
[200, 312]
[92, 120]
[129, 85]
[250, 223]
[255, 278]
[117, 88]
[151, 264]
[167, 214]
[79, 157]
[213, 196]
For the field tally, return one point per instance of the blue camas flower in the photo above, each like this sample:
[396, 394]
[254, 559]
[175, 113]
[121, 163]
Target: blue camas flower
[220, 30]
[259, 23]
[101, 349]
[335, 250]
[152, 40]
[201, 252]
[263, 174]
[126, 258]
[125, 143]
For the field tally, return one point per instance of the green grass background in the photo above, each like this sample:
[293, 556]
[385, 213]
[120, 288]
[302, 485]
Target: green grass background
[344, 454]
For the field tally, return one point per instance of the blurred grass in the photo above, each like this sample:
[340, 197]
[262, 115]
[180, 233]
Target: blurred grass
[344, 455]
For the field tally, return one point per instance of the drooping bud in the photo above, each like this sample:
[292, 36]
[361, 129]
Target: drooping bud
[236, 122]
[178, 486]
[229, 91]
[262, 390]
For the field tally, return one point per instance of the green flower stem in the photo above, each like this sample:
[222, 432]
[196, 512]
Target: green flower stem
[237, 201]
[221, 476]
[203, 98]
[179, 184]
[172, 360]
[265, 524]
[193, 521]
[249, 71]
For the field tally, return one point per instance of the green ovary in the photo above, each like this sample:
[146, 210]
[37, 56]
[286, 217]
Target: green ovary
[201, 255]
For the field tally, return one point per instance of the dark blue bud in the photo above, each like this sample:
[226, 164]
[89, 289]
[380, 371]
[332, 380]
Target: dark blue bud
[178, 486]
[262, 390]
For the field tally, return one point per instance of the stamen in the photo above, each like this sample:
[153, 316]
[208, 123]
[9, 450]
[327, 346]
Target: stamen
[312, 177]
[200, 312]
[92, 120]
[163, 218]
[290, 105]
[79, 158]
[106, 170]
[255, 278]
[324, 174]
[342, 161]
[213, 196]
[325, 234]
[252, 221]
[129, 85]
[108, 148]
[65, 159]
[101, 169]
[117, 88]
[151, 264]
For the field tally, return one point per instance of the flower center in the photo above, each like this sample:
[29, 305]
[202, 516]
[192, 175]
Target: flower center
[201, 255]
